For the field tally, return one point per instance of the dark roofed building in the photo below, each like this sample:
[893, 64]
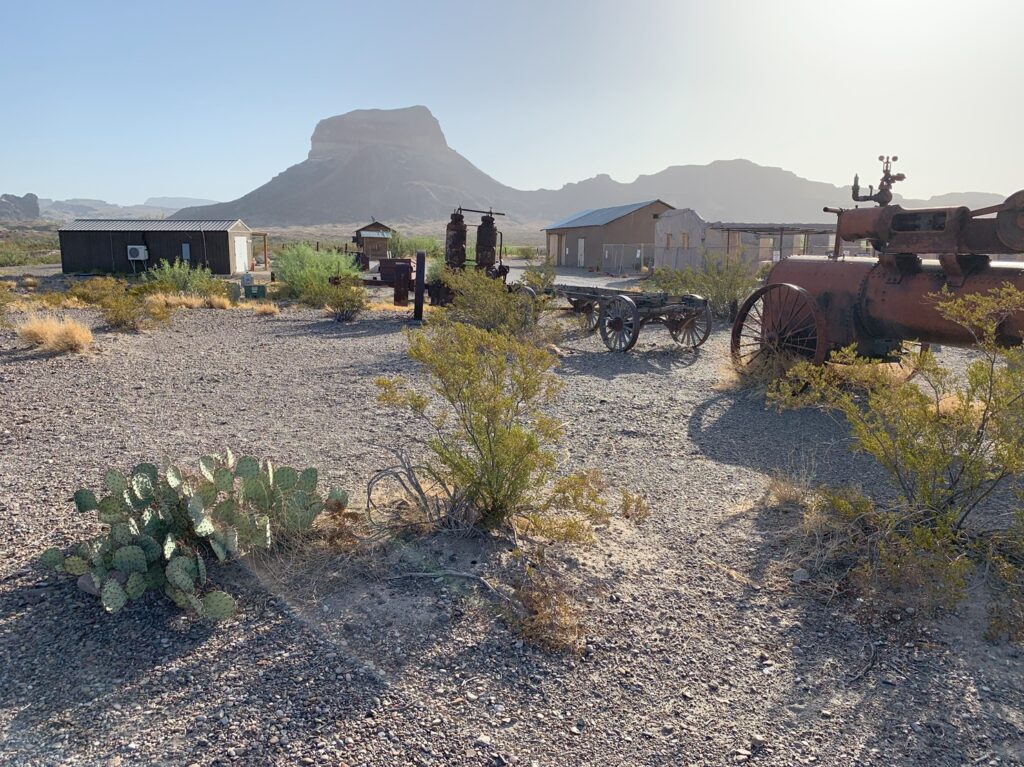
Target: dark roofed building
[596, 239]
[125, 246]
[373, 241]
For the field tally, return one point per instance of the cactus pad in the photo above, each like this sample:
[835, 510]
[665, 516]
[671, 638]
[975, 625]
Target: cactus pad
[200, 570]
[247, 467]
[285, 478]
[85, 500]
[113, 596]
[75, 565]
[218, 605]
[149, 546]
[130, 559]
[179, 574]
[52, 559]
[307, 481]
[136, 585]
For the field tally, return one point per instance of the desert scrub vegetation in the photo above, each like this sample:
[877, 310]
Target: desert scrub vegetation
[178, 277]
[122, 307]
[265, 309]
[948, 446]
[307, 271]
[539, 273]
[164, 525]
[724, 279]
[54, 334]
[486, 303]
[406, 246]
[30, 248]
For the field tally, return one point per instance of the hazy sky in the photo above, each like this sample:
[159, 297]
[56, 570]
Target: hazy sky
[126, 100]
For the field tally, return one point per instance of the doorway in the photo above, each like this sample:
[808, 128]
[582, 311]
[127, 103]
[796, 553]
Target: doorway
[580, 261]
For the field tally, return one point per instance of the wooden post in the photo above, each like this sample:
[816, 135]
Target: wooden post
[421, 279]
[403, 271]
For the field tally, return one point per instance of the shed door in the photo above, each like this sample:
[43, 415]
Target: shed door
[579, 252]
[241, 254]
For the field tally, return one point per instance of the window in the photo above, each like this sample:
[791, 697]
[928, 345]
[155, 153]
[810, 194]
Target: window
[684, 240]
[668, 240]
[186, 252]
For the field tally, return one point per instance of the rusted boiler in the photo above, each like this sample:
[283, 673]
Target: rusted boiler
[811, 306]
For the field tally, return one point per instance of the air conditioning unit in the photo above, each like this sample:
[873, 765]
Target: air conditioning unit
[138, 253]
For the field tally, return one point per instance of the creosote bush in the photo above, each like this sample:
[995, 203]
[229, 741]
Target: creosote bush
[724, 279]
[180, 277]
[165, 525]
[53, 334]
[948, 446]
[344, 300]
[486, 303]
[307, 271]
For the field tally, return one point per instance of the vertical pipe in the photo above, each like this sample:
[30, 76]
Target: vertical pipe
[421, 278]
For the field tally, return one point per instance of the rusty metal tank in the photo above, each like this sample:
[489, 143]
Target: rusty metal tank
[486, 243]
[455, 241]
[811, 306]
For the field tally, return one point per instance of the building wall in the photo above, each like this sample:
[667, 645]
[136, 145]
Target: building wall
[636, 228]
[108, 251]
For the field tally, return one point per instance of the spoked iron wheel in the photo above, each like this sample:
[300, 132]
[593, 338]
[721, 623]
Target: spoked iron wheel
[692, 328]
[588, 315]
[776, 323]
[619, 323]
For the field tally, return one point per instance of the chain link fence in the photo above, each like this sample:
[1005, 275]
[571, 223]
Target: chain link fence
[627, 258]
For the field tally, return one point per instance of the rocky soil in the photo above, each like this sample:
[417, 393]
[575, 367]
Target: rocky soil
[700, 651]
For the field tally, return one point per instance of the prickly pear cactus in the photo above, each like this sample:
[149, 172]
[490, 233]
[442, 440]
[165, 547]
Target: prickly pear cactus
[218, 605]
[165, 524]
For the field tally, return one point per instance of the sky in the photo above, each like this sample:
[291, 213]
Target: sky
[126, 100]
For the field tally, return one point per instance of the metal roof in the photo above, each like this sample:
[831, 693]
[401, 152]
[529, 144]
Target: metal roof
[150, 225]
[598, 216]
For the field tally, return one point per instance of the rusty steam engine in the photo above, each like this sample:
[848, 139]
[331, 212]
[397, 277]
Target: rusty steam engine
[488, 251]
[811, 306]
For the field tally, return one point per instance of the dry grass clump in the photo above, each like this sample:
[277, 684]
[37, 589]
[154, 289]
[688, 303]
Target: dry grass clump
[172, 301]
[266, 310]
[550, 619]
[218, 302]
[29, 283]
[788, 492]
[54, 334]
[8, 285]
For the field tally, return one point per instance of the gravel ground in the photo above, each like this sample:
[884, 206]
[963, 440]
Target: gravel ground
[700, 649]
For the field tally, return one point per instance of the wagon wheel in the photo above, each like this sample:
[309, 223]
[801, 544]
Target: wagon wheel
[587, 314]
[777, 322]
[619, 323]
[691, 328]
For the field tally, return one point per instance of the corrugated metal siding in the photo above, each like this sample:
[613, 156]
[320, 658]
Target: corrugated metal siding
[150, 225]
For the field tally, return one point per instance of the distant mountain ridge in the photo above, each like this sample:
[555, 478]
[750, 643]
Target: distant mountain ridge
[396, 165]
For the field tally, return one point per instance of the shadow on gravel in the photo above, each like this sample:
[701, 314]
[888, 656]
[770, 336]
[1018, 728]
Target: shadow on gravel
[21, 356]
[610, 365]
[328, 328]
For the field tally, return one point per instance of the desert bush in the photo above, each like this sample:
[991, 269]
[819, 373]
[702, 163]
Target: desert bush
[307, 272]
[406, 246]
[54, 334]
[179, 277]
[540, 274]
[345, 299]
[724, 279]
[946, 445]
[163, 527]
[492, 457]
[486, 303]
[218, 302]
[25, 248]
[122, 306]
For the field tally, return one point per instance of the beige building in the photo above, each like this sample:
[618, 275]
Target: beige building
[620, 238]
[682, 238]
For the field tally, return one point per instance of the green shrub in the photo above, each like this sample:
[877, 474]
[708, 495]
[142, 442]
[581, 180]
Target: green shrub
[493, 444]
[540, 274]
[163, 527]
[723, 279]
[307, 271]
[26, 248]
[179, 277]
[344, 300]
[486, 303]
[402, 246]
[948, 445]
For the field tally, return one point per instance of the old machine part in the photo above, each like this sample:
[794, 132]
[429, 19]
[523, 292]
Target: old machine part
[811, 306]
[620, 315]
[488, 251]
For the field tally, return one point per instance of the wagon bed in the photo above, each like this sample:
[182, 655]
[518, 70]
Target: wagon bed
[620, 315]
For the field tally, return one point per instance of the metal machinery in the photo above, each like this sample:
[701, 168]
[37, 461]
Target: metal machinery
[489, 249]
[811, 306]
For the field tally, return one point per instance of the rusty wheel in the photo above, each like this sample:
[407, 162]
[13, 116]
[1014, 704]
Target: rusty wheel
[691, 328]
[620, 324]
[776, 322]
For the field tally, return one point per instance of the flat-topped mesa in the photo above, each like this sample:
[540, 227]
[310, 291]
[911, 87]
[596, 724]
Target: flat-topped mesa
[340, 137]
